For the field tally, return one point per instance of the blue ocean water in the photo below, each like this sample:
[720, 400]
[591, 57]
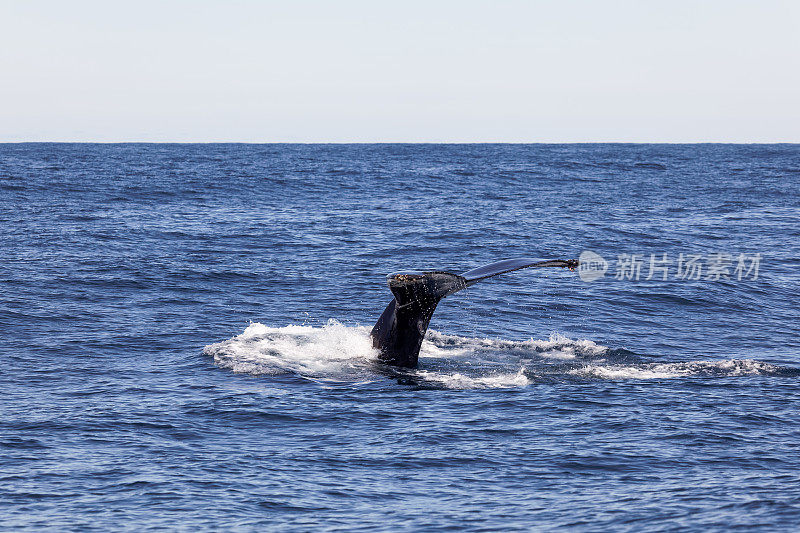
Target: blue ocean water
[185, 338]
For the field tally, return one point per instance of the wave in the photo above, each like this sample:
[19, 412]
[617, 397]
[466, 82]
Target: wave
[339, 354]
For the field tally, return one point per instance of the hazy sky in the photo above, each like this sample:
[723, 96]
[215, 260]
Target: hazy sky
[439, 71]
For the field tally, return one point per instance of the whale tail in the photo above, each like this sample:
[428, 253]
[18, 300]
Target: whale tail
[400, 329]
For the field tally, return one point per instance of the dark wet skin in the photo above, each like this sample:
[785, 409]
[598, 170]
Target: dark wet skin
[402, 325]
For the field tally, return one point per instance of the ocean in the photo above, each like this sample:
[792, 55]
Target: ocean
[185, 338]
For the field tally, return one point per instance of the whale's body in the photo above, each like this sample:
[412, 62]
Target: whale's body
[400, 329]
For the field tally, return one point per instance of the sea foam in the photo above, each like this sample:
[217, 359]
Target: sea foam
[340, 353]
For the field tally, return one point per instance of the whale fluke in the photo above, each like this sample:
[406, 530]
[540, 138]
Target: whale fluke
[400, 329]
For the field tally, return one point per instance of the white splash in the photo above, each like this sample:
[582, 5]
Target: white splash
[304, 350]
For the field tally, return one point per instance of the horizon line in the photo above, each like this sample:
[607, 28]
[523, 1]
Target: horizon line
[389, 142]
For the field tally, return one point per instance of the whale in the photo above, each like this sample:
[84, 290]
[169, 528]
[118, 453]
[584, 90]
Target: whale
[399, 331]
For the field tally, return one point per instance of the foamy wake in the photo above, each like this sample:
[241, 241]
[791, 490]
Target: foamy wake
[339, 353]
[457, 380]
[730, 367]
[556, 346]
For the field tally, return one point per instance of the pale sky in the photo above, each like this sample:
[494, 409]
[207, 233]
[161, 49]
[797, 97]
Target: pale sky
[408, 71]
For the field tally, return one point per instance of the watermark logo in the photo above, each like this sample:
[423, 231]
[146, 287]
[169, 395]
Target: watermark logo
[711, 267]
[591, 266]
